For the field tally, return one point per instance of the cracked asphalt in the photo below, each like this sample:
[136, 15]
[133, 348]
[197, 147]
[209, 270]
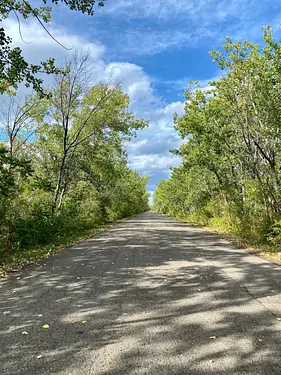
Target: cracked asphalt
[147, 296]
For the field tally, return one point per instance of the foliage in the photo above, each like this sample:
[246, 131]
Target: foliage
[14, 69]
[72, 174]
[230, 172]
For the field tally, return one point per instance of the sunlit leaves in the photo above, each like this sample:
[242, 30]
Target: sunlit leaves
[232, 152]
[14, 69]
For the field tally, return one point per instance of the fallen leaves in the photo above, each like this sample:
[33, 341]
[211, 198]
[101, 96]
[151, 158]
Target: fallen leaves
[45, 326]
[84, 321]
[24, 333]
[213, 337]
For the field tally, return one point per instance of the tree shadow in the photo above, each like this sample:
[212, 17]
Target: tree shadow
[149, 296]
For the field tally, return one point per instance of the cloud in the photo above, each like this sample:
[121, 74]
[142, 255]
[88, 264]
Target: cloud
[159, 146]
[135, 82]
[145, 27]
[149, 152]
[165, 115]
[165, 9]
[204, 12]
[147, 41]
[38, 45]
[151, 163]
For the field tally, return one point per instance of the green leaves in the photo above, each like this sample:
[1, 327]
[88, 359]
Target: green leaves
[64, 169]
[10, 168]
[231, 157]
[14, 69]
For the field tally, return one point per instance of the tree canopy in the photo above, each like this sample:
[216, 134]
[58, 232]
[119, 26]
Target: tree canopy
[230, 172]
[63, 161]
[14, 69]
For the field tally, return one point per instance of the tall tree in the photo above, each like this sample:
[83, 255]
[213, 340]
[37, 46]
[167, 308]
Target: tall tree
[232, 155]
[79, 118]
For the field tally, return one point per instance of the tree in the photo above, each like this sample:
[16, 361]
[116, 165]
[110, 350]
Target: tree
[18, 122]
[14, 69]
[79, 118]
[231, 159]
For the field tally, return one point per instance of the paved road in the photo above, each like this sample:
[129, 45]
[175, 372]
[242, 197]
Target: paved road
[152, 292]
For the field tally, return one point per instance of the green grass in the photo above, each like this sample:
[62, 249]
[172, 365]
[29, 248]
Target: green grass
[15, 260]
[249, 243]
[264, 249]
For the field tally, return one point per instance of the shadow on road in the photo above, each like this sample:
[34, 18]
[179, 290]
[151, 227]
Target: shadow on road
[158, 297]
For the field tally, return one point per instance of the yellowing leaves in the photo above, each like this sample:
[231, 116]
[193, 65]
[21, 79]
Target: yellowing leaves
[213, 337]
[84, 321]
[45, 326]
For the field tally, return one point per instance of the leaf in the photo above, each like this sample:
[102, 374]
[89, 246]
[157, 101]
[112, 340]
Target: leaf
[213, 337]
[46, 326]
[24, 333]
[278, 318]
[84, 321]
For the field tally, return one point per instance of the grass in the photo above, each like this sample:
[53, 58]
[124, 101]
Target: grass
[269, 251]
[264, 249]
[15, 260]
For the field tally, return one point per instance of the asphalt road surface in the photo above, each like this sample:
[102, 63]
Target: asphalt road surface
[148, 296]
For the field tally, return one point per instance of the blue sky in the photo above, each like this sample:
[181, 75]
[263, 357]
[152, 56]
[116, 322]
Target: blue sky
[153, 49]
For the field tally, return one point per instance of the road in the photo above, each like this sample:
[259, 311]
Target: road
[148, 296]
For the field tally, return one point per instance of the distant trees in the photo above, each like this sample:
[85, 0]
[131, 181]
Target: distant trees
[230, 172]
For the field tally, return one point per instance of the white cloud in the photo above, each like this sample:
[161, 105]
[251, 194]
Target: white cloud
[149, 153]
[152, 163]
[204, 11]
[149, 42]
[164, 9]
[155, 26]
[168, 111]
[134, 81]
[38, 45]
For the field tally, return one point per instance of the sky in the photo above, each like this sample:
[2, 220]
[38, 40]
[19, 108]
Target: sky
[153, 48]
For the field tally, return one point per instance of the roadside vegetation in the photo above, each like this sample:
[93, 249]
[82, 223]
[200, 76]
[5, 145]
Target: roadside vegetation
[64, 173]
[229, 177]
[63, 164]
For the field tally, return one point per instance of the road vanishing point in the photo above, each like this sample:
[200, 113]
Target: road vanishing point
[149, 296]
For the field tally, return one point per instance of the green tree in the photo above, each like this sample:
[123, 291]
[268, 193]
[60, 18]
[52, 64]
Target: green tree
[231, 159]
[14, 69]
[79, 118]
